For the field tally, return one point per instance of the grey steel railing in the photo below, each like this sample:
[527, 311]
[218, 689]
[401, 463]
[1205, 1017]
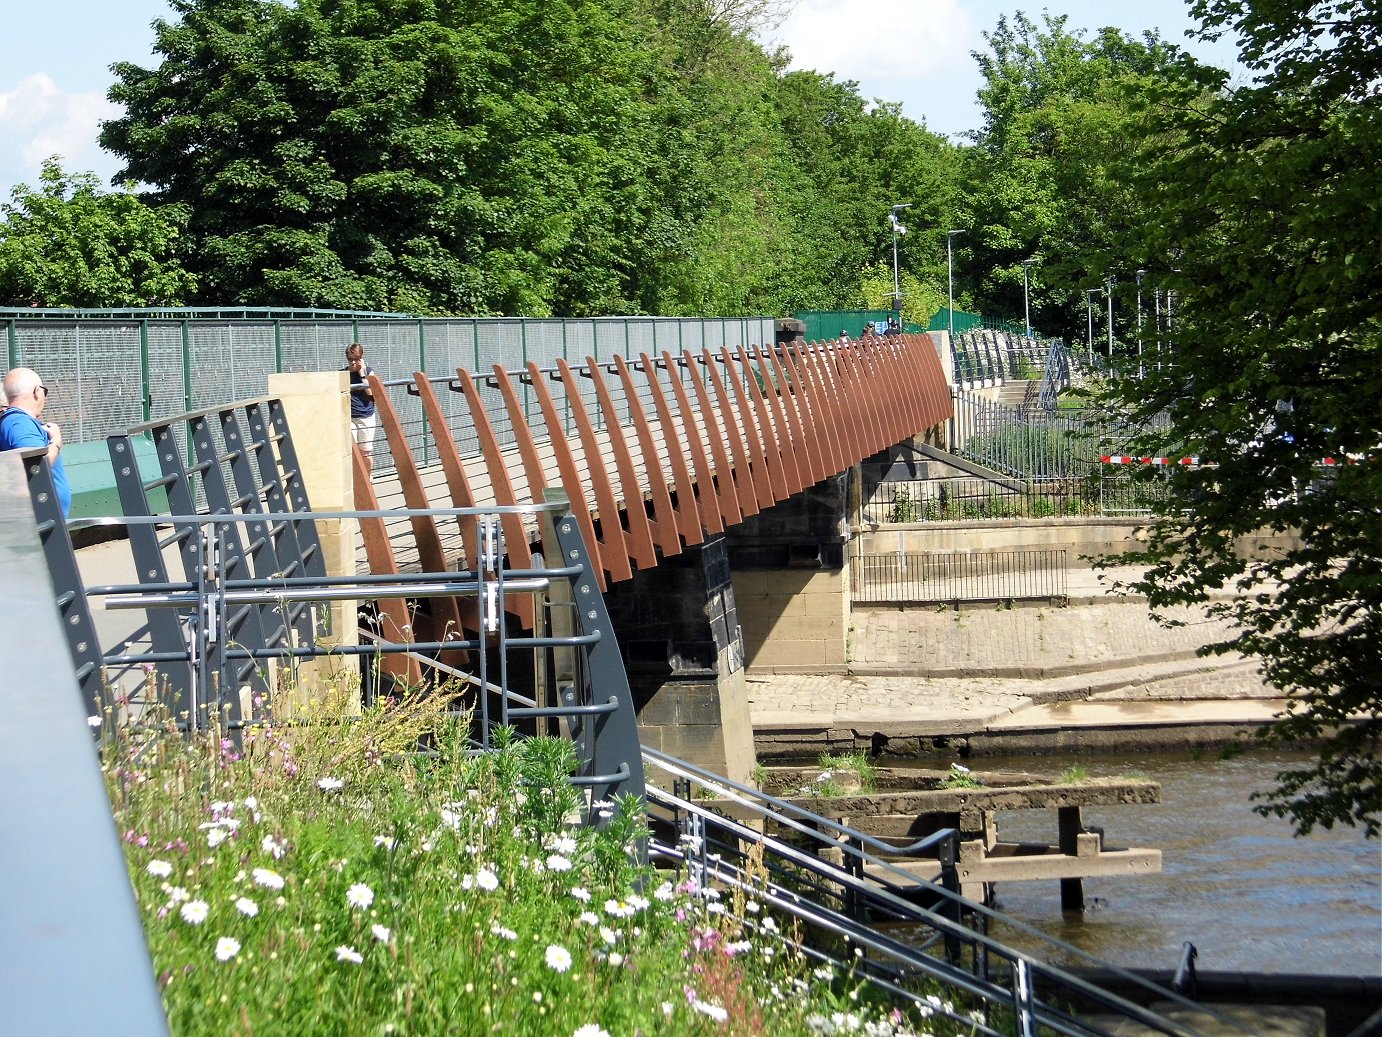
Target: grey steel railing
[1035, 445]
[954, 576]
[1056, 375]
[845, 892]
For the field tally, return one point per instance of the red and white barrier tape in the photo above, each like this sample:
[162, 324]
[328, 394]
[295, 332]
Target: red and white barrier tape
[1125, 459]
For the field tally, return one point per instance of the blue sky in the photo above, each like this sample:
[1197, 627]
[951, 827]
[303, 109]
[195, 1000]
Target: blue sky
[55, 58]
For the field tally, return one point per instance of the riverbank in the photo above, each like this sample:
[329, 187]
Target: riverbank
[1098, 673]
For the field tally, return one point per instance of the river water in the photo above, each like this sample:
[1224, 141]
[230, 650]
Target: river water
[1248, 895]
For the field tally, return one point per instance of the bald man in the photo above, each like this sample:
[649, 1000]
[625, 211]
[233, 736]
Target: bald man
[21, 427]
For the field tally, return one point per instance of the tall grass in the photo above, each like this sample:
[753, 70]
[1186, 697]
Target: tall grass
[377, 875]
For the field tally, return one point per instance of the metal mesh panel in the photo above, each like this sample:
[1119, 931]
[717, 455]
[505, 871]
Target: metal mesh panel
[545, 341]
[450, 344]
[230, 361]
[313, 346]
[580, 341]
[167, 389]
[500, 342]
[642, 334]
[96, 369]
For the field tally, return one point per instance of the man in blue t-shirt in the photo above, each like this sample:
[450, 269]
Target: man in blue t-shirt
[20, 427]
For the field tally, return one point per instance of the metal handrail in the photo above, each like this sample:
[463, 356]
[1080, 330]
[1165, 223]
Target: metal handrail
[982, 948]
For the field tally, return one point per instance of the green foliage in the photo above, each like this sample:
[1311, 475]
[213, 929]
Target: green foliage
[854, 763]
[323, 884]
[1074, 774]
[68, 243]
[904, 509]
[920, 300]
[1043, 176]
[1261, 216]
[611, 156]
[959, 777]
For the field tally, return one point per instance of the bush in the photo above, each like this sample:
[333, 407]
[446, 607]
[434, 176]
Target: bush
[329, 879]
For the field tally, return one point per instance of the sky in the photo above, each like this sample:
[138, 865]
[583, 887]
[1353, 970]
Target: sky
[55, 60]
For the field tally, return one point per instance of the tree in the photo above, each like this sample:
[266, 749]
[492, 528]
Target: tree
[423, 155]
[1262, 218]
[1060, 115]
[920, 301]
[68, 243]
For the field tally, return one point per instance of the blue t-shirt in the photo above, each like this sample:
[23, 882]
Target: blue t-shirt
[20, 430]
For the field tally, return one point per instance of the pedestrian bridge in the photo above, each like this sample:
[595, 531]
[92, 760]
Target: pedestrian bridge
[655, 454]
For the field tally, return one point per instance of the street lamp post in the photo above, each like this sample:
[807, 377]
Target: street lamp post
[1140, 275]
[950, 279]
[1026, 298]
[898, 231]
[1089, 312]
[1109, 294]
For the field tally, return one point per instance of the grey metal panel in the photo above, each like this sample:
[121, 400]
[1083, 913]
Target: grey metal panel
[500, 342]
[72, 953]
[611, 337]
[165, 388]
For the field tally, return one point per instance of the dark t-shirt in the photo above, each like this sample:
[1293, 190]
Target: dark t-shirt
[361, 402]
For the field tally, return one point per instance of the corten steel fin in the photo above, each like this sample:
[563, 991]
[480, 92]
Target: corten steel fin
[515, 536]
[533, 472]
[743, 471]
[707, 496]
[457, 481]
[724, 483]
[394, 622]
[811, 452]
[776, 435]
[823, 410]
[446, 614]
[914, 391]
[754, 433]
[892, 374]
[611, 558]
[790, 391]
[914, 394]
[687, 511]
[873, 396]
[839, 368]
[665, 519]
[878, 392]
[934, 402]
[640, 529]
[850, 403]
[838, 364]
[610, 524]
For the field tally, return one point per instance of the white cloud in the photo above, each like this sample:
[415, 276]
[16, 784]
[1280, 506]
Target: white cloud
[39, 119]
[874, 40]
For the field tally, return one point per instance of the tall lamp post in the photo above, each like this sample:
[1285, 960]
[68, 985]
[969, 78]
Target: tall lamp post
[1026, 298]
[898, 231]
[1089, 294]
[1109, 294]
[1140, 275]
[950, 278]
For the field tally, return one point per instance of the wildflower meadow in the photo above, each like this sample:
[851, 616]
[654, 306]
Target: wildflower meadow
[378, 875]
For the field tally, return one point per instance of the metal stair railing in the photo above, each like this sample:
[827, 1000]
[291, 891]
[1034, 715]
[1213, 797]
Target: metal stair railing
[734, 841]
